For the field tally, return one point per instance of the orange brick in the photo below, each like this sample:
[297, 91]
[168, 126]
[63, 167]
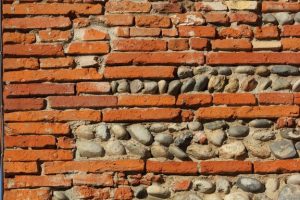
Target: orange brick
[269, 6]
[225, 167]
[119, 20]
[242, 31]
[153, 21]
[30, 141]
[194, 99]
[183, 185]
[291, 30]
[146, 100]
[65, 143]
[33, 50]
[81, 22]
[93, 34]
[127, 7]
[20, 63]
[275, 98]
[234, 99]
[216, 113]
[93, 87]
[105, 179]
[123, 193]
[34, 194]
[15, 38]
[139, 45]
[36, 22]
[216, 17]
[167, 7]
[266, 32]
[34, 155]
[198, 43]
[276, 166]
[144, 32]
[171, 167]
[54, 35]
[169, 32]
[89, 192]
[290, 44]
[87, 48]
[20, 168]
[243, 17]
[231, 44]
[24, 104]
[197, 31]
[48, 63]
[178, 44]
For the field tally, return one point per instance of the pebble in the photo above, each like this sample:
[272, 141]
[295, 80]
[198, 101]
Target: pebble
[226, 71]
[200, 70]
[249, 84]
[114, 148]
[140, 192]
[261, 197]
[280, 84]
[85, 132]
[136, 86]
[289, 192]
[188, 196]
[294, 179]
[262, 71]
[215, 125]
[216, 83]
[264, 84]
[140, 133]
[137, 149]
[158, 191]
[234, 150]
[159, 151]
[237, 196]
[102, 132]
[263, 135]
[164, 139]
[200, 152]
[238, 131]
[216, 137]
[187, 85]
[284, 70]
[158, 127]
[119, 131]
[183, 140]
[261, 123]
[162, 86]
[257, 148]
[250, 184]
[59, 195]
[174, 87]
[201, 83]
[123, 86]
[268, 18]
[283, 149]
[245, 70]
[283, 18]
[204, 186]
[89, 149]
[296, 86]
[297, 17]
[114, 86]
[223, 185]
[177, 152]
[150, 87]
[289, 133]
[195, 126]
[232, 86]
[184, 72]
[272, 185]
[297, 145]
[177, 127]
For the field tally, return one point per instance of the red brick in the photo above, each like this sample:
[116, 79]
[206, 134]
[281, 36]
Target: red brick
[52, 9]
[20, 167]
[153, 21]
[183, 185]
[155, 58]
[270, 6]
[65, 143]
[37, 128]
[243, 17]
[38, 181]
[29, 141]
[215, 113]
[93, 87]
[197, 31]
[216, 17]
[187, 115]
[54, 116]
[81, 22]
[127, 7]
[105, 179]
[33, 194]
[37, 89]
[15, 38]
[276, 166]
[87, 48]
[144, 32]
[253, 58]
[234, 99]
[89, 192]
[167, 7]
[290, 44]
[198, 43]
[34, 155]
[172, 167]
[119, 20]
[123, 193]
[231, 45]
[90, 34]
[135, 114]
[266, 32]
[24, 104]
[291, 30]
[275, 98]
[48, 63]
[82, 101]
[169, 32]
[20, 63]
[225, 167]
[193, 99]
[236, 32]
[36, 22]
[52, 75]
[54, 35]
[146, 100]
[139, 45]
[94, 166]
[284, 122]
[296, 97]
[33, 50]
[153, 72]
[178, 44]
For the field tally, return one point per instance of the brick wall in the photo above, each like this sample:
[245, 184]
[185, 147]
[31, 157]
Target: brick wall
[151, 99]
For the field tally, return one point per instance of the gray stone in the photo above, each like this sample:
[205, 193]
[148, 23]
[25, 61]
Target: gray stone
[204, 186]
[261, 123]
[289, 133]
[114, 86]
[164, 139]
[136, 86]
[158, 127]
[280, 84]
[263, 135]
[245, 70]
[250, 184]
[283, 149]
[89, 149]
[268, 18]
[184, 72]
[257, 148]
[283, 18]
[232, 86]
[296, 86]
[249, 84]
[213, 71]
[237, 196]
[137, 149]
[216, 83]
[223, 185]
[238, 131]
[188, 85]
[119, 131]
[297, 17]
[188, 196]
[216, 137]
[123, 86]
[261, 197]
[289, 192]
[158, 191]
[115, 148]
[234, 150]
[85, 132]
[177, 127]
[183, 140]
[140, 133]
[201, 70]
[284, 70]
[215, 125]
[174, 87]
[297, 145]
[262, 71]
[294, 179]
[102, 132]
[159, 151]
[177, 152]
[162, 86]
[59, 195]
[150, 87]
[226, 71]
[140, 192]
[195, 126]
[201, 83]
[264, 84]
[200, 152]
[272, 185]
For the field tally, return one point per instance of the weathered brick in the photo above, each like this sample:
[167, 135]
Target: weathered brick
[105, 179]
[183, 185]
[154, 72]
[39, 50]
[135, 114]
[275, 98]
[82, 101]
[189, 18]
[20, 167]
[34, 155]
[193, 99]
[291, 30]
[65, 143]
[89, 192]
[243, 17]
[36, 23]
[93, 87]
[90, 34]
[285, 122]
[272, 6]
[81, 22]
[87, 48]
[119, 20]
[24, 104]
[290, 44]
[234, 99]
[15, 38]
[146, 100]
[241, 5]
[171, 167]
[216, 17]
[139, 45]
[34, 194]
[231, 45]
[20, 63]
[198, 43]
[127, 7]
[41, 141]
[94, 166]
[236, 32]
[123, 193]
[54, 35]
[153, 21]
[266, 32]
[37, 128]
[276, 166]
[225, 167]
[197, 31]
[178, 44]
[169, 32]
[49, 63]
[167, 7]
[144, 32]
[209, 6]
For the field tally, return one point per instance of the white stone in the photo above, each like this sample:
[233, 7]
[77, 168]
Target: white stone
[266, 45]
[241, 5]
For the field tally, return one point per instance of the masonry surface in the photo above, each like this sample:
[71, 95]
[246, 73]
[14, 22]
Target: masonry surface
[182, 100]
